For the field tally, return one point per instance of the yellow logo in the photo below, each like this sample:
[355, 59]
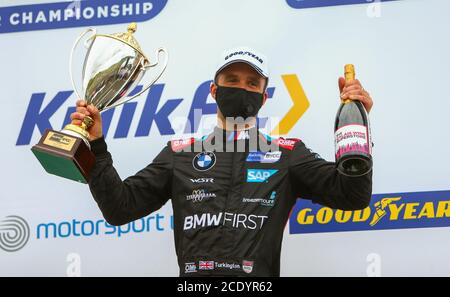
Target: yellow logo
[299, 107]
[386, 207]
[380, 209]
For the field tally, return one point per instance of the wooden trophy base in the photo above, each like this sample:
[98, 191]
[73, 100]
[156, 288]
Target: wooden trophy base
[64, 155]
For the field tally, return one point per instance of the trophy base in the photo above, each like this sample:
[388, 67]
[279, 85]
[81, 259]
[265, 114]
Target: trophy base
[64, 155]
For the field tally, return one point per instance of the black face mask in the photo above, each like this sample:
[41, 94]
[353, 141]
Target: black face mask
[238, 102]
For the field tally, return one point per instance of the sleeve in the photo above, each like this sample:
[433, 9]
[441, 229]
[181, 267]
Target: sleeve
[122, 202]
[318, 180]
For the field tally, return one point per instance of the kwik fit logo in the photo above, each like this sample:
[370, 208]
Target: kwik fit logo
[77, 14]
[44, 106]
[387, 211]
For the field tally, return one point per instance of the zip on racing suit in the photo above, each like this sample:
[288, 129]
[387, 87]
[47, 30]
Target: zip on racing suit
[230, 208]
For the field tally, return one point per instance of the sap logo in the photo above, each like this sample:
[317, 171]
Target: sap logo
[77, 14]
[202, 180]
[259, 175]
[299, 4]
[38, 115]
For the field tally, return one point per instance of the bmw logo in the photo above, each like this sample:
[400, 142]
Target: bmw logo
[204, 161]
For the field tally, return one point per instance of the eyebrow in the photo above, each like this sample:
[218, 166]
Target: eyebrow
[230, 75]
[255, 78]
[252, 78]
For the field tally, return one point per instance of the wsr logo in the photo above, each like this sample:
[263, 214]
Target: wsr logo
[298, 4]
[77, 14]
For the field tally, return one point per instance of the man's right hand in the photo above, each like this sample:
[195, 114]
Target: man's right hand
[83, 110]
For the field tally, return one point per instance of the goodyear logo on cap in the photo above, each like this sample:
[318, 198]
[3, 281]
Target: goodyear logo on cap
[387, 211]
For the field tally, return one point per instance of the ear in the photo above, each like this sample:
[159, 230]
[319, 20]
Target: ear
[213, 90]
[265, 96]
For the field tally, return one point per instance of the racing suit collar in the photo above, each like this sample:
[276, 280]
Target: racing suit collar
[230, 136]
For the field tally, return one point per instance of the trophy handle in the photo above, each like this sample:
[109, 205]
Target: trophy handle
[71, 56]
[166, 59]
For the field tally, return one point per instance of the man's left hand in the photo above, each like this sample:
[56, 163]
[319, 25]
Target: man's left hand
[353, 90]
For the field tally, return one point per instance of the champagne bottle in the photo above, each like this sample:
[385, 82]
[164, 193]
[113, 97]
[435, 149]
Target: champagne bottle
[353, 143]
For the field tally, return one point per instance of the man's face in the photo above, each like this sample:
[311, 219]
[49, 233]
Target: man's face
[240, 75]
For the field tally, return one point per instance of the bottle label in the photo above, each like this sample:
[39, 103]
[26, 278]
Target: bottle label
[352, 139]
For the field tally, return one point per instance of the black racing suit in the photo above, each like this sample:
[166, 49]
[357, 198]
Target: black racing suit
[230, 208]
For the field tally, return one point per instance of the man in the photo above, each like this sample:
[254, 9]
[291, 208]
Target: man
[232, 190]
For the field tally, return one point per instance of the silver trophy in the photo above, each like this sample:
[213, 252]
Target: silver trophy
[113, 66]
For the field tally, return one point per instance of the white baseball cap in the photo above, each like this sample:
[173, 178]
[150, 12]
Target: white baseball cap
[245, 55]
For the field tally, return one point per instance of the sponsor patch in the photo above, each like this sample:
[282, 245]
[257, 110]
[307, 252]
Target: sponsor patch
[190, 268]
[202, 180]
[200, 195]
[287, 143]
[179, 144]
[259, 175]
[264, 157]
[206, 265]
[247, 266]
[229, 266]
[204, 161]
[263, 201]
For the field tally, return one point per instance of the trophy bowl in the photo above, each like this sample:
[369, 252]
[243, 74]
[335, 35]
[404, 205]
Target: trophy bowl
[113, 66]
